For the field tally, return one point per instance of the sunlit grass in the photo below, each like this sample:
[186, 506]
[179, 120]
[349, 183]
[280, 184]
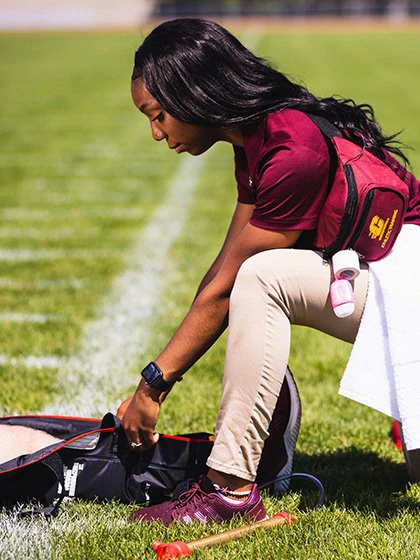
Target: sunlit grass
[80, 173]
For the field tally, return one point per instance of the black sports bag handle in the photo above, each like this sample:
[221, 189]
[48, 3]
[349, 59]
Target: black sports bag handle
[55, 464]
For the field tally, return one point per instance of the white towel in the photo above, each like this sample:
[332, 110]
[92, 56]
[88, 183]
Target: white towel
[383, 371]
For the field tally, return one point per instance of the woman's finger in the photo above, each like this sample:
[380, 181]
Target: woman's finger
[148, 439]
[144, 442]
[136, 446]
[133, 436]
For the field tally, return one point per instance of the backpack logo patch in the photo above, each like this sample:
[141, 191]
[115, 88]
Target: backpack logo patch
[377, 227]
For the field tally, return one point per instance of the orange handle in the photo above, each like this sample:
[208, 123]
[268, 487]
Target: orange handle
[231, 534]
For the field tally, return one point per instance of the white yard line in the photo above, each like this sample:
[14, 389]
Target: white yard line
[36, 537]
[26, 538]
[62, 213]
[42, 284]
[112, 345]
[37, 362]
[26, 255]
[13, 317]
[57, 234]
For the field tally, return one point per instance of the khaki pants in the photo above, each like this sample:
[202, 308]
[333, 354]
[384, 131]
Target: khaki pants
[273, 290]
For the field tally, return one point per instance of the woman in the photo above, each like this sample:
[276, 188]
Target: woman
[197, 85]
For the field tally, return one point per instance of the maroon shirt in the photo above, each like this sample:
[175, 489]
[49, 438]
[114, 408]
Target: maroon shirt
[283, 170]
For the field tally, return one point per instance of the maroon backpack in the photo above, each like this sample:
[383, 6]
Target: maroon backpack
[366, 203]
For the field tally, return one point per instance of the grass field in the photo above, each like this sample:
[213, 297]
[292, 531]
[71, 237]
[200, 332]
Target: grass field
[104, 236]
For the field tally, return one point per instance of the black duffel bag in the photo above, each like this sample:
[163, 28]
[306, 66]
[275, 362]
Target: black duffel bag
[92, 460]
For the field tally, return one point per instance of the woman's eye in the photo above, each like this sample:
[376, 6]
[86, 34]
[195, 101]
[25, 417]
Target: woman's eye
[158, 118]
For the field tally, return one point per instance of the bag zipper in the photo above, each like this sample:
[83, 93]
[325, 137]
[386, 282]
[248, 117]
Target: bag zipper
[349, 212]
[365, 212]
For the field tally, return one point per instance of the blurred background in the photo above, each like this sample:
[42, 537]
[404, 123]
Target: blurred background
[105, 235]
[87, 14]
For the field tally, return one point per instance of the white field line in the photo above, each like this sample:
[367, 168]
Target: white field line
[37, 362]
[22, 255]
[13, 317]
[64, 212]
[57, 234]
[37, 537]
[27, 538]
[101, 200]
[113, 344]
[42, 284]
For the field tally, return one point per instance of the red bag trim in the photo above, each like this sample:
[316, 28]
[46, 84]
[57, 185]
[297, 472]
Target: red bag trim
[99, 431]
[103, 430]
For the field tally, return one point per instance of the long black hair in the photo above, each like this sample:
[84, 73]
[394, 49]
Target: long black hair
[201, 74]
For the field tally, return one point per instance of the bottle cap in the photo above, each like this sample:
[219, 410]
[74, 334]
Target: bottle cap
[346, 264]
[344, 310]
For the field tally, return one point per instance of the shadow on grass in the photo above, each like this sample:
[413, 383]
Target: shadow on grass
[359, 480]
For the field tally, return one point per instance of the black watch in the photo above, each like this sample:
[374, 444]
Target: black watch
[154, 377]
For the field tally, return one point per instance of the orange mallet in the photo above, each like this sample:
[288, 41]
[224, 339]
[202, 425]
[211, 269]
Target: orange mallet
[178, 549]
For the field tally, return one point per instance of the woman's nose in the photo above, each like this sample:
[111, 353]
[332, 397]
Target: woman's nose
[157, 133]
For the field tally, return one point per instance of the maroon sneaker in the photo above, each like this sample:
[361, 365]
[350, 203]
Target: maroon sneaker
[204, 504]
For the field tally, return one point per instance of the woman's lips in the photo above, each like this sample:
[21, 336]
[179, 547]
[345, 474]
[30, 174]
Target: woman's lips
[178, 148]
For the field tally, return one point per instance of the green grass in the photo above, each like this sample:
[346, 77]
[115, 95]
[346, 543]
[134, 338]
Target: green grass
[79, 172]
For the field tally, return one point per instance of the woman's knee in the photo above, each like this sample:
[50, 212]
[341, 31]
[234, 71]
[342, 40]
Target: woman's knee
[296, 280]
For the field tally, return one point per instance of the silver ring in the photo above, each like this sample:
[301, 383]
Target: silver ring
[135, 445]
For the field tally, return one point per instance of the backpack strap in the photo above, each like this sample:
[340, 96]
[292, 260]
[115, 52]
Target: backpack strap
[55, 464]
[327, 128]
[329, 131]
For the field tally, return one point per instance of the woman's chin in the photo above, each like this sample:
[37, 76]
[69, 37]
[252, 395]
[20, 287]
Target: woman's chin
[197, 151]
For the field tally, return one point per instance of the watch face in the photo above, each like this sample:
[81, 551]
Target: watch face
[154, 378]
[151, 374]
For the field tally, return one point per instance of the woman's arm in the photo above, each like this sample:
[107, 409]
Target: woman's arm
[203, 324]
[207, 317]
[240, 218]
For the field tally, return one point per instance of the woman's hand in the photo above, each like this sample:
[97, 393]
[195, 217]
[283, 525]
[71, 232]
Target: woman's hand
[141, 416]
[122, 409]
